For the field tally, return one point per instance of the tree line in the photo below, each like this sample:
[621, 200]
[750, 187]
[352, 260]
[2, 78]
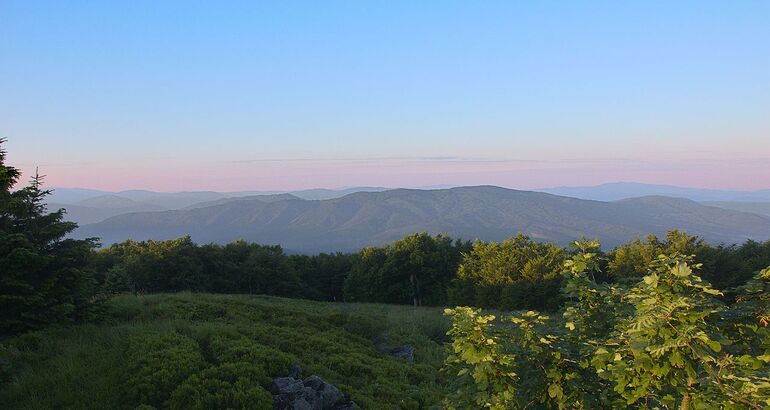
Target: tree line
[419, 269]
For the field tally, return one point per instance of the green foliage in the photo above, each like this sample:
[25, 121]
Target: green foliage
[517, 273]
[485, 374]
[324, 273]
[43, 279]
[753, 299]
[157, 363]
[370, 327]
[592, 308]
[667, 341]
[656, 355]
[271, 362]
[227, 386]
[180, 264]
[416, 269]
[221, 351]
[518, 366]
[117, 280]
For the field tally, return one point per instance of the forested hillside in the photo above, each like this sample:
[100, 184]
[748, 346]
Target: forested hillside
[485, 212]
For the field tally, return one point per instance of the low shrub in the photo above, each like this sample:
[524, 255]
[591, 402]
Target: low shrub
[227, 386]
[370, 327]
[271, 362]
[157, 363]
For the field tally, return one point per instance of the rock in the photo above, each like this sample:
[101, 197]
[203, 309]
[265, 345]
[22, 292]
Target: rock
[302, 404]
[313, 393]
[331, 396]
[405, 352]
[315, 382]
[286, 385]
[295, 371]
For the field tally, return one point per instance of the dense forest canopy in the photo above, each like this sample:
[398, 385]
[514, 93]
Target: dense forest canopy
[420, 269]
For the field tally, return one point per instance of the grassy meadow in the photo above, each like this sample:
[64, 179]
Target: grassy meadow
[191, 350]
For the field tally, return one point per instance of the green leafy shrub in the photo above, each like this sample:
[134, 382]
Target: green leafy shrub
[157, 363]
[667, 341]
[486, 378]
[269, 361]
[227, 386]
[143, 354]
[370, 327]
[116, 280]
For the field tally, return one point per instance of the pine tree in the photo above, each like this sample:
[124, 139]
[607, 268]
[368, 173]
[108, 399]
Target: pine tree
[43, 275]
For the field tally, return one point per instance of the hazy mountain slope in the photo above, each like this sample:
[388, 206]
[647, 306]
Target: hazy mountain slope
[114, 202]
[322, 193]
[171, 200]
[88, 214]
[72, 195]
[263, 198]
[309, 194]
[180, 200]
[622, 190]
[485, 212]
[761, 208]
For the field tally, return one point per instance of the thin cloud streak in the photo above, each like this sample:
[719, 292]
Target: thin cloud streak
[439, 159]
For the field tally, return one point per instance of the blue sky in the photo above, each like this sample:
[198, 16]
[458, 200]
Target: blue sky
[286, 95]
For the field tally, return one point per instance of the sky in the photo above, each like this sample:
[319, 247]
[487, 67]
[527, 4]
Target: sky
[226, 96]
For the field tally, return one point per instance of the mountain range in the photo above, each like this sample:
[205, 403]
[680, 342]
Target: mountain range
[359, 219]
[622, 190]
[86, 206]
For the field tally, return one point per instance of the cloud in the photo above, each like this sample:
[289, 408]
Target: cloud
[428, 159]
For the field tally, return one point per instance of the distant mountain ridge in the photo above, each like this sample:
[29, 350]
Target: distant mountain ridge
[179, 200]
[622, 190]
[222, 201]
[486, 212]
[99, 208]
[86, 206]
[759, 208]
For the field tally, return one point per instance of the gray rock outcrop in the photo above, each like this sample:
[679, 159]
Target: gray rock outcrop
[312, 393]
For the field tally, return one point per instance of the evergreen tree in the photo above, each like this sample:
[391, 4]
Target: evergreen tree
[42, 275]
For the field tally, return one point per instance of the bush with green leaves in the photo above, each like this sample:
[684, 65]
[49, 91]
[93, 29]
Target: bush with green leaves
[667, 341]
[516, 273]
[486, 376]
[271, 362]
[227, 386]
[157, 363]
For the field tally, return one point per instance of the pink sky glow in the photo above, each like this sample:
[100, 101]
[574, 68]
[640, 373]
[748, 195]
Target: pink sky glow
[292, 174]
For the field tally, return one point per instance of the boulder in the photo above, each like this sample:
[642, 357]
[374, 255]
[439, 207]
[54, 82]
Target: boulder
[287, 386]
[405, 352]
[295, 371]
[313, 393]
